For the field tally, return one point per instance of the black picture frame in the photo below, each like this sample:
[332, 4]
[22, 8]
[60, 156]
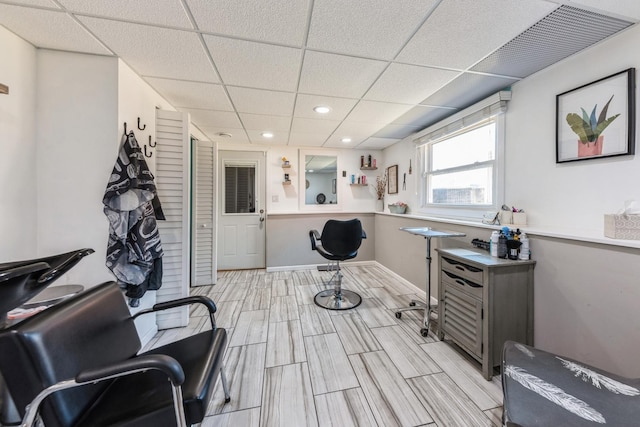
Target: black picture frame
[588, 113]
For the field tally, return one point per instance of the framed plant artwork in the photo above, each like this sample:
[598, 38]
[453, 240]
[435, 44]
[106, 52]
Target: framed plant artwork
[597, 119]
[392, 176]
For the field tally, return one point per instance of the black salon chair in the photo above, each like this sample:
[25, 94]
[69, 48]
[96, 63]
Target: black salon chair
[545, 389]
[339, 241]
[78, 364]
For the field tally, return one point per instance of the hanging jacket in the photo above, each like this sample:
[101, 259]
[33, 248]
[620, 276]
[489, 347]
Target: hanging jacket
[134, 249]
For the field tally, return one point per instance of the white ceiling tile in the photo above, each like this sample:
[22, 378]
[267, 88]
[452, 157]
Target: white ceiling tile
[49, 29]
[338, 75]
[159, 12]
[238, 136]
[256, 65]
[258, 101]
[377, 112]
[372, 28]
[277, 21]
[183, 94]
[413, 117]
[279, 138]
[377, 143]
[357, 131]
[474, 28]
[153, 51]
[265, 123]
[396, 131]
[214, 119]
[408, 84]
[340, 107]
[298, 139]
[623, 8]
[322, 127]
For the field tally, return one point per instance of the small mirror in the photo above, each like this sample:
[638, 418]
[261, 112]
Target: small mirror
[320, 175]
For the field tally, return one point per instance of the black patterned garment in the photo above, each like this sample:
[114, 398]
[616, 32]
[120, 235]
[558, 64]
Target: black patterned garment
[543, 389]
[134, 250]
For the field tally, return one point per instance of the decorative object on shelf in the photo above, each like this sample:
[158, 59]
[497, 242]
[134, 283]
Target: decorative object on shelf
[398, 208]
[285, 163]
[381, 184]
[617, 91]
[392, 176]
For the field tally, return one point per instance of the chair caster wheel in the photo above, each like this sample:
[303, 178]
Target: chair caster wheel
[424, 332]
[227, 399]
[398, 315]
[412, 304]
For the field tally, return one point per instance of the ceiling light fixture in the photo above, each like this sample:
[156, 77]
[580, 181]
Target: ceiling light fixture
[346, 140]
[224, 134]
[321, 109]
[267, 134]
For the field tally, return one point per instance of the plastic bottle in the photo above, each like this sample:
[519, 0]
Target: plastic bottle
[524, 249]
[493, 245]
[502, 246]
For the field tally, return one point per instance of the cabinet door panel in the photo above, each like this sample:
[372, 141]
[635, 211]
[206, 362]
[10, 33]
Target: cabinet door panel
[462, 318]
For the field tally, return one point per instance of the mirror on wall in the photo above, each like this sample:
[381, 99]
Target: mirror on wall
[320, 179]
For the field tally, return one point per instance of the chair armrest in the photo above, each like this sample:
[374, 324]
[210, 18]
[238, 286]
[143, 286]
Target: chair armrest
[314, 236]
[22, 270]
[195, 299]
[166, 364]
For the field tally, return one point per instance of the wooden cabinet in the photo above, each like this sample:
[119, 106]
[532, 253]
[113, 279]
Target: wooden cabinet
[483, 302]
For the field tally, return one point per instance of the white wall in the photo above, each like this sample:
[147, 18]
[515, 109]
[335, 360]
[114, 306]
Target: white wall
[18, 184]
[570, 196]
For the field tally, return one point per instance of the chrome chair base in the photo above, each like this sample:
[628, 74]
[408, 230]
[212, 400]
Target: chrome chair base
[337, 300]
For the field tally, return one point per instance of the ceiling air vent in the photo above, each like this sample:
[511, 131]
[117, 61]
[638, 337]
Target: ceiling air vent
[560, 34]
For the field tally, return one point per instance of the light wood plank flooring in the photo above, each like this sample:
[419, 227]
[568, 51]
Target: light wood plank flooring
[291, 363]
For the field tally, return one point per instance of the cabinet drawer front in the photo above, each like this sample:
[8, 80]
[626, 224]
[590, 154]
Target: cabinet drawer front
[460, 268]
[463, 319]
[462, 284]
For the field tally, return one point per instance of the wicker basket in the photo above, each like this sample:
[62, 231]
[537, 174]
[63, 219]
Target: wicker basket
[396, 209]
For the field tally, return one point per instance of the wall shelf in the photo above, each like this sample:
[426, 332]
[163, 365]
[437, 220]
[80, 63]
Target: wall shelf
[286, 166]
[358, 185]
[368, 168]
[286, 182]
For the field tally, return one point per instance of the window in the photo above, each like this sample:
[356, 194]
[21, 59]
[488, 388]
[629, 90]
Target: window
[461, 164]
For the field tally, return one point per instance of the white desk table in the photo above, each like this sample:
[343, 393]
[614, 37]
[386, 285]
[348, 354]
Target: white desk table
[428, 233]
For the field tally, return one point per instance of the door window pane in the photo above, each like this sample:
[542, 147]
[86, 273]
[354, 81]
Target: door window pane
[239, 186]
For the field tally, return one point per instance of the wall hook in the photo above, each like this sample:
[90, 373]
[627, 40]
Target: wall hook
[149, 154]
[154, 143]
[143, 126]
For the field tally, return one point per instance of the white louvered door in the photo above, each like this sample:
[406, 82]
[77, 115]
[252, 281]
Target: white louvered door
[203, 266]
[172, 177]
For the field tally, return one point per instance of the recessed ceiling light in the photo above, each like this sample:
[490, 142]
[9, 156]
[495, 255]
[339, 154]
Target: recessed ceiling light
[224, 134]
[267, 134]
[321, 109]
[346, 140]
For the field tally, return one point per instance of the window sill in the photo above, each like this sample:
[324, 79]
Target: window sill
[589, 236]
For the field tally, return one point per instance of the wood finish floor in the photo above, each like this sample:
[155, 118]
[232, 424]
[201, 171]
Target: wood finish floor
[292, 363]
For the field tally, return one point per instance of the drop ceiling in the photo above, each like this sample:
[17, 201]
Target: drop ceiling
[386, 68]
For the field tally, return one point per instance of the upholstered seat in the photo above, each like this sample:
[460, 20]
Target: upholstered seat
[339, 241]
[545, 389]
[87, 347]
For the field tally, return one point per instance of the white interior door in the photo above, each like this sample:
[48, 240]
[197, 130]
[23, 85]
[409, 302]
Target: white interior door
[241, 213]
[203, 247]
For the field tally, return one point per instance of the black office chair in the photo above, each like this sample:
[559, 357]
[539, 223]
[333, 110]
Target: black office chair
[339, 241]
[545, 389]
